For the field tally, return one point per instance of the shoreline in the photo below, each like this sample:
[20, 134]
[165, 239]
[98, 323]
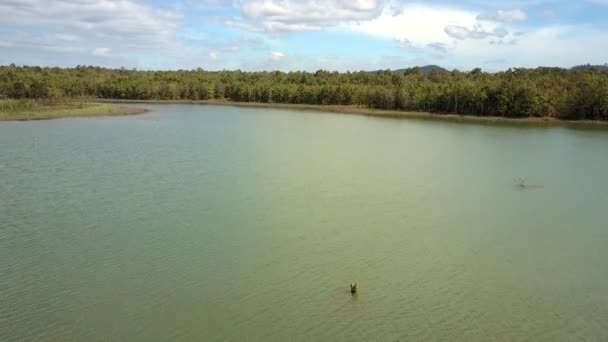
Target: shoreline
[356, 110]
[85, 109]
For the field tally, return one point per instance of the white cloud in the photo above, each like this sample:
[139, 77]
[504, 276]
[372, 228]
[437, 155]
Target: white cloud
[277, 56]
[70, 32]
[427, 30]
[548, 46]
[117, 20]
[461, 32]
[295, 15]
[505, 16]
[464, 40]
[102, 51]
[419, 24]
[40, 29]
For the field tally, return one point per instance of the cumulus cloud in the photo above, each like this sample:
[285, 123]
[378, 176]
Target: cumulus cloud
[548, 46]
[419, 24]
[117, 20]
[151, 34]
[505, 16]
[423, 24]
[293, 15]
[79, 27]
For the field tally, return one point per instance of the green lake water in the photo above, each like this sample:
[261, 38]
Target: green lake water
[208, 223]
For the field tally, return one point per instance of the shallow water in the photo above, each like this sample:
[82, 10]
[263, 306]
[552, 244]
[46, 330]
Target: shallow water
[222, 223]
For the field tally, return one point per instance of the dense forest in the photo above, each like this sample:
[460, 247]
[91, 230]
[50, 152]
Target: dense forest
[553, 92]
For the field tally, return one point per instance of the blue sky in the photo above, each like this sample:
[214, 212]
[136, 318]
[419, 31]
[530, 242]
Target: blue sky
[303, 35]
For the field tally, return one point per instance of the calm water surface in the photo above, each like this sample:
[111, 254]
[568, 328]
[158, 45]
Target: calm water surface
[203, 223]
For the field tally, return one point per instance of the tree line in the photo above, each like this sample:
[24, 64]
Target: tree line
[540, 92]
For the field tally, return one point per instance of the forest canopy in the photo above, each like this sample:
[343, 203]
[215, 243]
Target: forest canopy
[542, 92]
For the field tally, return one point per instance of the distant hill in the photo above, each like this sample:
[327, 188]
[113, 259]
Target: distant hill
[427, 69]
[587, 67]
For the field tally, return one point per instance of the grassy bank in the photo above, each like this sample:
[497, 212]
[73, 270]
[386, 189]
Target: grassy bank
[358, 110]
[24, 110]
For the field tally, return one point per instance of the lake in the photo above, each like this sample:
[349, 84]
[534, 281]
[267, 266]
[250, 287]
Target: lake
[212, 223]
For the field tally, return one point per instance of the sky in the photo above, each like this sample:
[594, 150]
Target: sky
[341, 35]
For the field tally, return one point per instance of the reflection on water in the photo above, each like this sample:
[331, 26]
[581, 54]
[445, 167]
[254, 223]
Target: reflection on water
[218, 223]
